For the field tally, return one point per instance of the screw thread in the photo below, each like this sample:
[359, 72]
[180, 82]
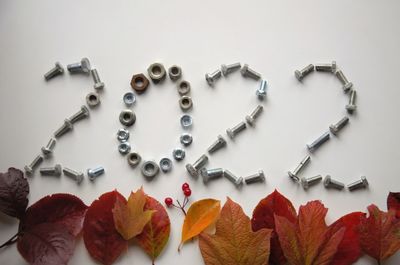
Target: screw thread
[340, 124]
[238, 128]
[342, 78]
[74, 67]
[95, 172]
[231, 68]
[352, 99]
[36, 162]
[66, 127]
[318, 142]
[218, 144]
[302, 164]
[308, 69]
[257, 111]
[95, 75]
[56, 70]
[253, 74]
[230, 176]
[199, 163]
[257, 177]
[336, 184]
[81, 114]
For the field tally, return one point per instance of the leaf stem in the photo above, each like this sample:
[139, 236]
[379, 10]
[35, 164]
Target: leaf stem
[12, 240]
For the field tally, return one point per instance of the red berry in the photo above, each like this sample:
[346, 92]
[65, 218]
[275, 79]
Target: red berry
[187, 192]
[168, 201]
[185, 186]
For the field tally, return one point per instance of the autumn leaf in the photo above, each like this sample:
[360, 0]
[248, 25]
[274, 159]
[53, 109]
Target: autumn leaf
[129, 217]
[234, 242]
[380, 233]
[393, 202]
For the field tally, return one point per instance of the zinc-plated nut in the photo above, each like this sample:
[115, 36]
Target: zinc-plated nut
[75, 175]
[232, 132]
[211, 174]
[186, 121]
[55, 71]
[139, 83]
[254, 114]
[248, 72]
[178, 154]
[92, 99]
[134, 159]
[49, 148]
[261, 91]
[129, 99]
[156, 72]
[335, 128]
[165, 164]
[308, 182]
[342, 78]
[318, 142]
[331, 183]
[81, 67]
[81, 114]
[175, 72]
[193, 170]
[300, 74]
[326, 67]
[29, 169]
[150, 169]
[93, 173]
[230, 68]
[359, 184]
[98, 85]
[186, 139]
[123, 135]
[51, 171]
[294, 174]
[185, 103]
[218, 144]
[124, 148]
[183, 87]
[66, 127]
[127, 117]
[351, 107]
[257, 177]
[237, 181]
[212, 77]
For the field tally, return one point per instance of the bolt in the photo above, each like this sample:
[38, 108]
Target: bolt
[248, 72]
[252, 117]
[66, 127]
[232, 132]
[318, 142]
[218, 144]
[331, 183]
[326, 67]
[296, 171]
[209, 174]
[98, 85]
[77, 176]
[56, 70]
[81, 67]
[199, 164]
[307, 182]
[305, 71]
[81, 114]
[342, 78]
[261, 92]
[359, 184]
[211, 78]
[48, 149]
[238, 181]
[258, 177]
[351, 107]
[29, 169]
[51, 171]
[93, 173]
[335, 128]
[227, 69]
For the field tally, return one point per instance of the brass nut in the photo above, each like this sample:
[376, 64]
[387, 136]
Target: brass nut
[127, 117]
[183, 87]
[185, 103]
[92, 99]
[156, 72]
[139, 83]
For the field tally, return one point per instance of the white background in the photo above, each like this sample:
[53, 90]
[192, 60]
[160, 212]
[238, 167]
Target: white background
[274, 37]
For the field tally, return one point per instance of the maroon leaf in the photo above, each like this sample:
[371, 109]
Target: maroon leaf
[14, 189]
[393, 202]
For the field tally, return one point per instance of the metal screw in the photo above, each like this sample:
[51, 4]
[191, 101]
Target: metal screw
[342, 78]
[56, 70]
[48, 149]
[51, 171]
[209, 174]
[318, 142]
[252, 117]
[258, 177]
[326, 67]
[98, 85]
[81, 114]
[29, 169]
[261, 92]
[248, 72]
[232, 132]
[77, 176]
[303, 72]
[238, 181]
[359, 184]
[93, 173]
[307, 182]
[199, 164]
[335, 128]
[351, 107]
[218, 144]
[296, 171]
[214, 76]
[331, 183]
[81, 67]
[227, 69]
[66, 127]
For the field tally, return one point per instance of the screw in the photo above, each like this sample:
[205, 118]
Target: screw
[81, 67]
[342, 78]
[335, 128]
[81, 114]
[351, 107]
[77, 176]
[29, 169]
[209, 174]
[66, 127]
[232, 132]
[248, 72]
[305, 71]
[93, 173]
[238, 181]
[227, 69]
[258, 177]
[261, 92]
[326, 67]
[318, 142]
[331, 183]
[211, 78]
[359, 184]
[51, 171]
[296, 171]
[307, 182]
[252, 117]
[56, 70]
[98, 85]
[218, 144]
[194, 169]
[48, 149]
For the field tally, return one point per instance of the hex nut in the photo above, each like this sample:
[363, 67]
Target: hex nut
[150, 169]
[185, 103]
[127, 117]
[178, 154]
[129, 99]
[123, 135]
[156, 72]
[183, 87]
[186, 121]
[134, 159]
[175, 72]
[165, 164]
[93, 99]
[124, 148]
[186, 139]
[139, 83]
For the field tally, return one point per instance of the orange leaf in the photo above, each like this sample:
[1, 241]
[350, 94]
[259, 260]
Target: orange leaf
[234, 242]
[129, 218]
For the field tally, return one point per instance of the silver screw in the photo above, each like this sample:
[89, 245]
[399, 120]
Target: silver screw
[81, 114]
[307, 182]
[294, 175]
[359, 184]
[51, 171]
[318, 142]
[238, 181]
[98, 85]
[48, 149]
[258, 177]
[261, 92]
[210, 174]
[351, 107]
[253, 116]
[248, 72]
[335, 128]
[218, 144]
[326, 67]
[342, 78]
[66, 127]
[199, 164]
[227, 69]
[214, 76]
[81, 67]
[331, 183]
[232, 132]
[304, 72]
[93, 173]
[29, 169]
[77, 176]
[56, 70]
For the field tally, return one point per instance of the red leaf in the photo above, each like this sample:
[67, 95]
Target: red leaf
[14, 189]
[102, 240]
[393, 202]
[263, 217]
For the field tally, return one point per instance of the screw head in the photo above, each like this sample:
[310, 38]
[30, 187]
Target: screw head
[46, 151]
[239, 181]
[250, 120]
[262, 175]
[192, 171]
[79, 178]
[347, 87]
[334, 66]
[293, 176]
[99, 86]
[333, 129]
[230, 133]
[244, 69]
[59, 67]
[209, 79]
[304, 183]
[57, 170]
[298, 75]
[351, 108]
[85, 64]
[224, 69]
[364, 181]
[68, 123]
[327, 181]
[28, 170]
[204, 175]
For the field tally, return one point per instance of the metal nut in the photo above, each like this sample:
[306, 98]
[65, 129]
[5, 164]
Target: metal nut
[123, 135]
[124, 148]
[134, 159]
[150, 169]
[186, 139]
[186, 121]
[175, 72]
[139, 83]
[178, 154]
[185, 103]
[156, 72]
[129, 99]
[183, 87]
[127, 117]
[92, 99]
[165, 164]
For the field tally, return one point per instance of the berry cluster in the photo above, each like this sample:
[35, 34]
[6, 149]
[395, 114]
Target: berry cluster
[187, 192]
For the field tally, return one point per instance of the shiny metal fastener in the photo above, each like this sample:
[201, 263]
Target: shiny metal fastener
[81, 114]
[186, 139]
[232, 132]
[335, 128]
[29, 169]
[194, 169]
[66, 127]
[165, 164]
[178, 154]
[237, 181]
[49, 148]
[55, 71]
[359, 184]
[123, 135]
[214, 76]
[318, 142]
[186, 121]
[150, 169]
[257, 177]
[98, 85]
[93, 173]
[124, 148]
[351, 107]
[331, 183]
[300, 74]
[81, 67]
[307, 182]
[218, 144]
[51, 171]
[254, 114]
[75, 175]
[294, 174]
[129, 99]
[261, 91]
[230, 68]
[246, 71]
[210, 174]
[326, 67]
[342, 78]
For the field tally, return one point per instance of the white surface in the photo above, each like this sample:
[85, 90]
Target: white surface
[273, 37]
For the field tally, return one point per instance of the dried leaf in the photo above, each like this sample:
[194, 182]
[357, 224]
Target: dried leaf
[129, 217]
[393, 202]
[234, 242]
[380, 233]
